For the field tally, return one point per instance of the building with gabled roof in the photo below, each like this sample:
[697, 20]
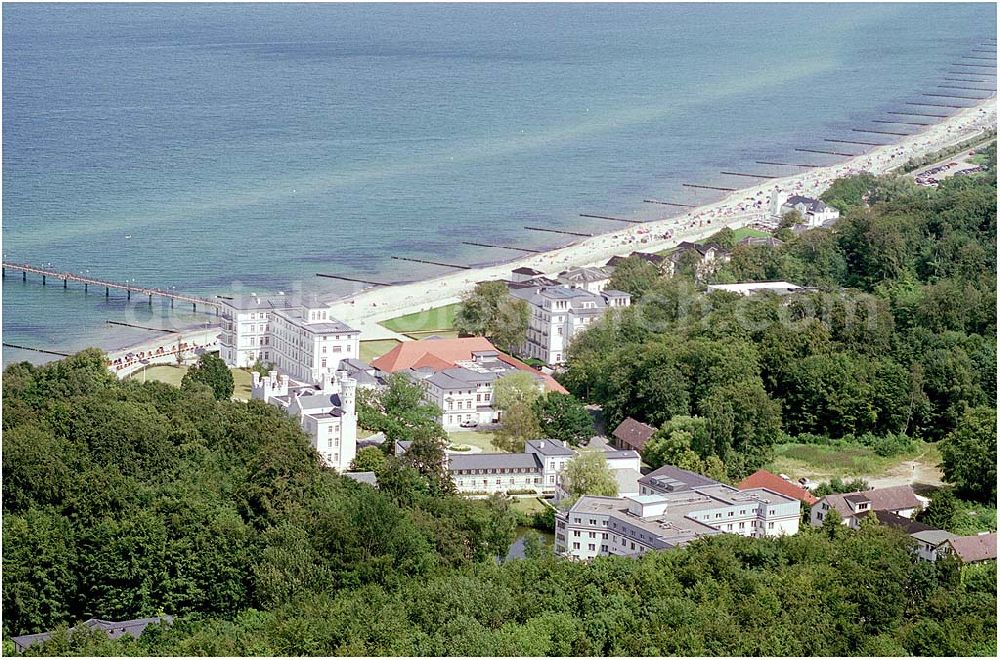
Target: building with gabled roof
[587, 278]
[113, 629]
[458, 376]
[632, 434]
[900, 500]
[771, 481]
[974, 549]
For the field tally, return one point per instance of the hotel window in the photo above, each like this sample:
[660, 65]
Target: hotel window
[322, 363]
[576, 546]
[604, 536]
[770, 525]
[729, 526]
[593, 521]
[730, 514]
[593, 535]
[743, 525]
[590, 546]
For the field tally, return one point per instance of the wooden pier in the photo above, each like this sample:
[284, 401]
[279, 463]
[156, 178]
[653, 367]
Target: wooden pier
[608, 217]
[558, 231]
[657, 201]
[964, 80]
[351, 279]
[108, 285]
[433, 263]
[973, 66]
[695, 185]
[503, 247]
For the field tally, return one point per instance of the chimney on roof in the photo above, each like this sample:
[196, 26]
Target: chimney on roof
[541, 444]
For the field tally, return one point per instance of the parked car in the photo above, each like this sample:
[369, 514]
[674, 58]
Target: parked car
[469, 424]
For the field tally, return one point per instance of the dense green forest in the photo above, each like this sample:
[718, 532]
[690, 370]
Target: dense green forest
[124, 499]
[895, 340]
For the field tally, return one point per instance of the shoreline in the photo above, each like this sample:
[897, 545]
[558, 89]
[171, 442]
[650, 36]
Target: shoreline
[740, 208]
[366, 309]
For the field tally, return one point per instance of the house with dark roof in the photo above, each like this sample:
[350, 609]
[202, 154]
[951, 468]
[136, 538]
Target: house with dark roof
[706, 258]
[113, 629]
[589, 279]
[632, 434]
[900, 500]
[771, 481]
[671, 479]
[973, 549]
[814, 212]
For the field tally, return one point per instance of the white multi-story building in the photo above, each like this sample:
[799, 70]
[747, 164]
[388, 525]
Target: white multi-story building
[558, 313]
[538, 468]
[301, 342]
[245, 336]
[327, 412]
[637, 524]
[307, 343]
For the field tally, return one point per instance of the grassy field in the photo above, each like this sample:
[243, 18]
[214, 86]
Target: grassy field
[481, 439]
[376, 348]
[165, 373]
[436, 318]
[820, 462]
[172, 375]
[974, 518]
[528, 505]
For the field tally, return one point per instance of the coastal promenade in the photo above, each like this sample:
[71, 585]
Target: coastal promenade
[738, 209]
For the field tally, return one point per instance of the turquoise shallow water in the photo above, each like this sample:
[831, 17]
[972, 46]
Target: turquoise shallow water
[253, 146]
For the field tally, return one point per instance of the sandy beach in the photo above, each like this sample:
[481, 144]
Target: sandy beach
[740, 208]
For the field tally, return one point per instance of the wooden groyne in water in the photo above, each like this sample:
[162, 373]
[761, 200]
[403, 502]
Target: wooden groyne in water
[503, 247]
[608, 217]
[433, 263]
[35, 350]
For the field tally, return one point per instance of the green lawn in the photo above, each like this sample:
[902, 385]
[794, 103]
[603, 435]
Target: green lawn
[821, 462]
[481, 439]
[242, 380]
[528, 505]
[436, 318]
[974, 518]
[165, 373]
[741, 233]
[172, 374]
[376, 348]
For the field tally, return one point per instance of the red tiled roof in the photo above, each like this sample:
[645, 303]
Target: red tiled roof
[975, 548]
[441, 354]
[770, 481]
[633, 433]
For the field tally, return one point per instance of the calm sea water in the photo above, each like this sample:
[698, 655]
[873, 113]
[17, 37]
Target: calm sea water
[253, 146]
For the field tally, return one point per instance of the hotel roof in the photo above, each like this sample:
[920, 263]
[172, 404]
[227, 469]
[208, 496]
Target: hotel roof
[440, 354]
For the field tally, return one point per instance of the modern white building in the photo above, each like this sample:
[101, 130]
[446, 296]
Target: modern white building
[558, 313]
[326, 412]
[637, 524]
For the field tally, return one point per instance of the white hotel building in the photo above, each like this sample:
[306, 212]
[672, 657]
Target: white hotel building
[301, 342]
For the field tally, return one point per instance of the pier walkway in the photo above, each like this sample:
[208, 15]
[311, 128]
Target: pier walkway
[172, 296]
